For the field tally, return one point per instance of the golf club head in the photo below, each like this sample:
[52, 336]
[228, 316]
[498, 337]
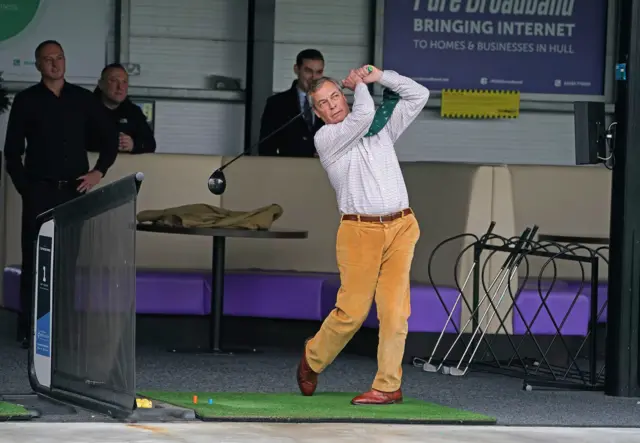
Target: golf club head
[217, 182]
[457, 372]
[428, 367]
[444, 370]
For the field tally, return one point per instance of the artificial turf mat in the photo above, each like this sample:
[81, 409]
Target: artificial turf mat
[10, 411]
[321, 407]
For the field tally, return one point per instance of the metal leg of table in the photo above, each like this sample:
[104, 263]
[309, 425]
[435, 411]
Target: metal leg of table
[217, 293]
[217, 306]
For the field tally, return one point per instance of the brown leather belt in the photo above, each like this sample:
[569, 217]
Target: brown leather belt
[377, 218]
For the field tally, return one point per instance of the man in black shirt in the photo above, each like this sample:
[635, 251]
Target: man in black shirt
[135, 134]
[54, 118]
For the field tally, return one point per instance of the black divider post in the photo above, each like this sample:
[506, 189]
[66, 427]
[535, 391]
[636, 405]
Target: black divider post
[623, 316]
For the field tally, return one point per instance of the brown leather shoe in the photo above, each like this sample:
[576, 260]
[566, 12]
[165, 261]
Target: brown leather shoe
[307, 379]
[374, 397]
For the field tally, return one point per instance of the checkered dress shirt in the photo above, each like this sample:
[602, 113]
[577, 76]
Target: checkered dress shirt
[364, 169]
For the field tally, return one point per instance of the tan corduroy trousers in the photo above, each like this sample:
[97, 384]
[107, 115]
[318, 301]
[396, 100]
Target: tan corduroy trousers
[374, 259]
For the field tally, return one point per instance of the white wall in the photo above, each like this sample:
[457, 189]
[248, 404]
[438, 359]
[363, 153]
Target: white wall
[533, 138]
[178, 46]
[339, 29]
[199, 127]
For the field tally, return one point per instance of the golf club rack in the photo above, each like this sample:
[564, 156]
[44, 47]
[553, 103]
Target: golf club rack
[517, 322]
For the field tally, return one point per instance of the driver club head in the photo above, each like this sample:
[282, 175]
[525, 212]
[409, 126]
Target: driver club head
[217, 182]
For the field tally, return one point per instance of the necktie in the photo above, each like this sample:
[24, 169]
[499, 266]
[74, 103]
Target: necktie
[383, 113]
[307, 114]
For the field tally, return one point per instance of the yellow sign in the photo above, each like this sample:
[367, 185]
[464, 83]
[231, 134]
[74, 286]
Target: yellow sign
[144, 403]
[475, 103]
[147, 110]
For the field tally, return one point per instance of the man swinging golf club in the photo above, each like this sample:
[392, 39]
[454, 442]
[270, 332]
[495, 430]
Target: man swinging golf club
[378, 230]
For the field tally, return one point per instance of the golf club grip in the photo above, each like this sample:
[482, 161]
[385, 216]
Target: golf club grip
[516, 249]
[527, 244]
[485, 237]
[533, 233]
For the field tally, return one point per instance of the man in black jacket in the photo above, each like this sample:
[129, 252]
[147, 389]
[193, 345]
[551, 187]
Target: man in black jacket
[296, 140]
[135, 134]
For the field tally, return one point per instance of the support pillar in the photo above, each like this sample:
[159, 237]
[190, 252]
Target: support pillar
[623, 314]
[260, 54]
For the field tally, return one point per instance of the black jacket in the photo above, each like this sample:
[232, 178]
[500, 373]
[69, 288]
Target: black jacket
[296, 140]
[130, 120]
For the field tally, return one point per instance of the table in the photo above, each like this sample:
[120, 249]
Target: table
[573, 239]
[220, 236]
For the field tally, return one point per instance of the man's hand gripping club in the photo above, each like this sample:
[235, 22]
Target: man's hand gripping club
[366, 74]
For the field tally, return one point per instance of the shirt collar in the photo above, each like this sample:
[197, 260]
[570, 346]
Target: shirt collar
[43, 87]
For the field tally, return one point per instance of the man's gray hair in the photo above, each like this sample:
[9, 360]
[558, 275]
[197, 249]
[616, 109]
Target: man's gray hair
[317, 84]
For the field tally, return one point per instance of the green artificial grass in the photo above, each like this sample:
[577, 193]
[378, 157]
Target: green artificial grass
[321, 407]
[11, 411]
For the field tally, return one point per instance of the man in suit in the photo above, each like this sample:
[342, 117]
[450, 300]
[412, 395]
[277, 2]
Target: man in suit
[295, 140]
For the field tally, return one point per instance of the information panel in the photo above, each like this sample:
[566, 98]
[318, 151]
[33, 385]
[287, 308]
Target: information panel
[533, 46]
[43, 303]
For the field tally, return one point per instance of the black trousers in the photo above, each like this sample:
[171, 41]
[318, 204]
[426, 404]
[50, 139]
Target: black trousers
[37, 198]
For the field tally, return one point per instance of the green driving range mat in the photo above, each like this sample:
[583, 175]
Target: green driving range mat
[10, 411]
[321, 407]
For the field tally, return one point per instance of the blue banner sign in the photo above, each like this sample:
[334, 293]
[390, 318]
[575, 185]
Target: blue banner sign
[532, 46]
